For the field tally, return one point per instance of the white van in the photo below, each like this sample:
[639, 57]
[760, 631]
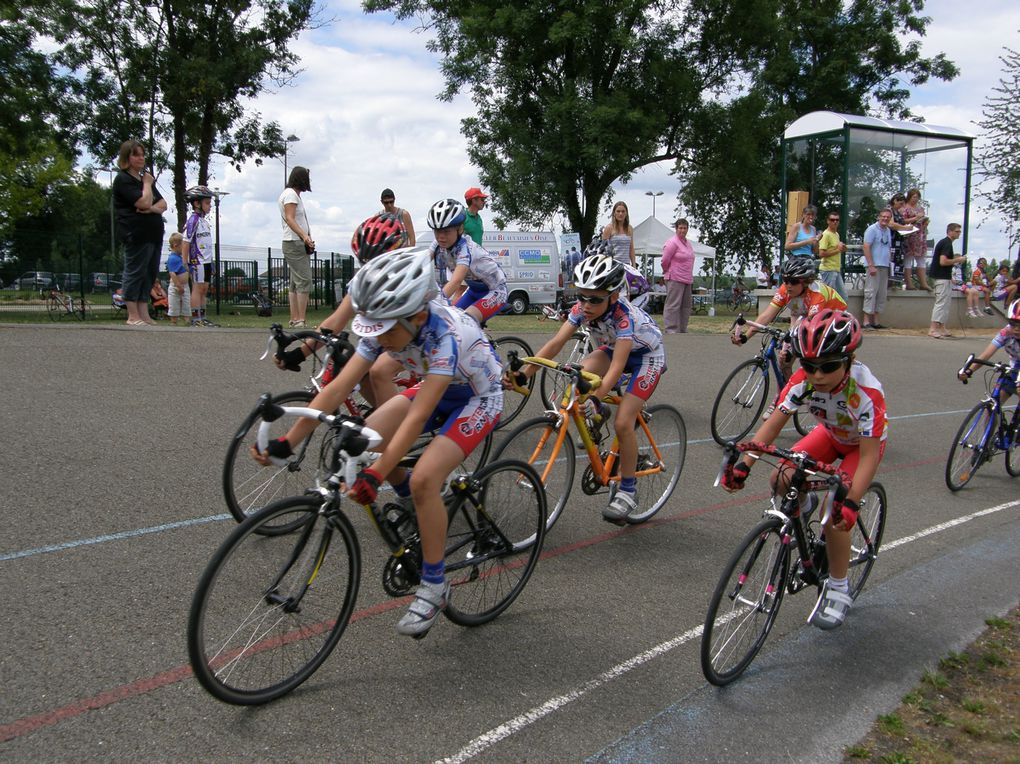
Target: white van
[531, 262]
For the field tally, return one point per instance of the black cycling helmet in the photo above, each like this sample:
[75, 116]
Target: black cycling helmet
[799, 268]
[195, 193]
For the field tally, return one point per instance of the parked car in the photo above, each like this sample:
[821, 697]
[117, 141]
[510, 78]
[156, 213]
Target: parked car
[36, 280]
[104, 282]
[69, 282]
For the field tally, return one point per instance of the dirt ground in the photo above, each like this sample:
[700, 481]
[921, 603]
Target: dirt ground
[966, 709]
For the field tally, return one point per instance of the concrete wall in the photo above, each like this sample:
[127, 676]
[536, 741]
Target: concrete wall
[912, 310]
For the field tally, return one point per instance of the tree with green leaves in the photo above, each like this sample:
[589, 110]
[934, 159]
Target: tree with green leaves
[999, 156]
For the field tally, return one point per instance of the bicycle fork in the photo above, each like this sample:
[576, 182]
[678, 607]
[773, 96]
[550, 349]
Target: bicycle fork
[302, 566]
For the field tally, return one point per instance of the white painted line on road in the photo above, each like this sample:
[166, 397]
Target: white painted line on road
[216, 518]
[518, 723]
[113, 537]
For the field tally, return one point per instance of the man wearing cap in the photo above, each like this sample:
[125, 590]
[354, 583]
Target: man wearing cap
[388, 200]
[475, 203]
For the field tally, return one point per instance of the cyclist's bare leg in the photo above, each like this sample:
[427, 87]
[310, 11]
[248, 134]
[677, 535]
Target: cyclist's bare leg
[837, 546]
[437, 461]
[381, 375]
[626, 415]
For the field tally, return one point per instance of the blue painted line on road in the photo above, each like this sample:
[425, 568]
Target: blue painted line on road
[113, 537]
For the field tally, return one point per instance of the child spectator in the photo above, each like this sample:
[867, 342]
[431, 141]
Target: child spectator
[1003, 287]
[197, 250]
[179, 303]
[979, 288]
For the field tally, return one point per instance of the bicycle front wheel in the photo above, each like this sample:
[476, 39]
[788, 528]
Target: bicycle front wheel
[866, 537]
[745, 603]
[1013, 452]
[270, 608]
[533, 442]
[967, 453]
[662, 448]
[497, 526]
[247, 485]
[552, 384]
[740, 401]
[513, 402]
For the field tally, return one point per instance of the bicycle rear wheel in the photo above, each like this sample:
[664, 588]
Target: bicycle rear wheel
[1013, 456]
[866, 537]
[270, 608]
[969, 448]
[497, 526]
[532, 442]
[661, 457]
[745, 603]
[740, 401]
[513, 402]
[803, 422]
[247, 485]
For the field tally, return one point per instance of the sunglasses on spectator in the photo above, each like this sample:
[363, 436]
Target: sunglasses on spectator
[592, 300]
[833, 220]
[826, 367]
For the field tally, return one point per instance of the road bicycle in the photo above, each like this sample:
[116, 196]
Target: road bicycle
[741, 302]
[744, 393]
[543, 443]
[508, 348]
[247, 485]
[785, 552]
[277, 595]
[985, 431]
[61, 305]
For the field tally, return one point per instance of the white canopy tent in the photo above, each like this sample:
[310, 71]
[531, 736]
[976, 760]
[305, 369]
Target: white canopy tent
[650, 235]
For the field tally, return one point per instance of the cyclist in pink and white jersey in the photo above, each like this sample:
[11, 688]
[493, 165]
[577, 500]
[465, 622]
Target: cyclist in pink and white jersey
[849, 404]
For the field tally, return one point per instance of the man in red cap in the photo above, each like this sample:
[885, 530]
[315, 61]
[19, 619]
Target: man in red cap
[475, 203]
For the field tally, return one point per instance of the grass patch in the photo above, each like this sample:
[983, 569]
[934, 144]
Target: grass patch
[965, 711]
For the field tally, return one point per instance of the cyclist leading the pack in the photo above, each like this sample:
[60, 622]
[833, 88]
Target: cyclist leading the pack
[849, 404]
[627, 340]
[460, 262]
[460, 395]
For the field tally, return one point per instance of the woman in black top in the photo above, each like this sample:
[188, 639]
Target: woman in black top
[138, 208]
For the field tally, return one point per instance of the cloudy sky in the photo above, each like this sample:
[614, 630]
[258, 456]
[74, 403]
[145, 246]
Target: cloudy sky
[365, 111]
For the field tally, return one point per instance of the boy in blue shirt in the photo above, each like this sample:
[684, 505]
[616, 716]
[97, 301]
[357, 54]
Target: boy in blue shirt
[179, 294]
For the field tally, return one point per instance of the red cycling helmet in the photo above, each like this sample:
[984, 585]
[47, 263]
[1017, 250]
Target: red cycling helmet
[828, 332]
[1013, 311]
[380, 233]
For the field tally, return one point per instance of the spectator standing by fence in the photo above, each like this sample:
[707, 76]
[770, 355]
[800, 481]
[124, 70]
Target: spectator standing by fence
[878, 256]
[678, 272]
[473, 222]
[196, 251]
[179, 298]
[389, 203]
[298, 244]
[943, 261]
[138, 210]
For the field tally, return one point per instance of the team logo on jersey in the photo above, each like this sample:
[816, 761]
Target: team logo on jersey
[854, 400]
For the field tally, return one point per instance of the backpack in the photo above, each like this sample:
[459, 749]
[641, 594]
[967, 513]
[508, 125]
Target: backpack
[262, 305]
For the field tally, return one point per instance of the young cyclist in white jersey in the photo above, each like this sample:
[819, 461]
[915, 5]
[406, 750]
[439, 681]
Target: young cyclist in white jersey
[196, 251]
[849, 404]
[460, 262]
[460, 387]
[1009, 340]
[628, 341]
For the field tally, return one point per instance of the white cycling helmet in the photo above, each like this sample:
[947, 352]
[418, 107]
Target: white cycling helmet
[390, 289]
[599, 272]
[446, 213]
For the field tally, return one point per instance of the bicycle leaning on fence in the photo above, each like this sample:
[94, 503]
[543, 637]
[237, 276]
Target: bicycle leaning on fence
[543, 443]
[60, 305]
[785, 552]
[985, 431]
[743, 395]
[276, 596]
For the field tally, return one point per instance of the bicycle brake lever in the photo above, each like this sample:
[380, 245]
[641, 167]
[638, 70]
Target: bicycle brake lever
[269, 346]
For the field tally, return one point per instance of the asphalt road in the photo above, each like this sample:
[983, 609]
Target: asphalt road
[111, 494]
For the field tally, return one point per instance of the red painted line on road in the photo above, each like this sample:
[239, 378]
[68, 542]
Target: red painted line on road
[29, 724]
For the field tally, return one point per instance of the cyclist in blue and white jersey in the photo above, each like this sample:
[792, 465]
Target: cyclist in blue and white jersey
[1009, 340]
[461, 262]
[460, 394]
[627, 340]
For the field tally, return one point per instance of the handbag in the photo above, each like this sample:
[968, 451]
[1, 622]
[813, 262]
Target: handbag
[309, 250]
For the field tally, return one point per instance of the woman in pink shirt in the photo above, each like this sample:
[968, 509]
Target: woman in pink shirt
[678, 271]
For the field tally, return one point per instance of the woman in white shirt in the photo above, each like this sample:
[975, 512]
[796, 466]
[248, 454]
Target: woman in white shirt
[298, 244]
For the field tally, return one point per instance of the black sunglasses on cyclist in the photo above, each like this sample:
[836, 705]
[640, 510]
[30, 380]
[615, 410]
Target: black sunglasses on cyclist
[826, 367]
[792, 282]
[593, 300]
[1014, 324]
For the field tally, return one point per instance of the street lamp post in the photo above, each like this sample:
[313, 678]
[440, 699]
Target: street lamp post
[653, 194]
[286, 145]
[216, 249]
